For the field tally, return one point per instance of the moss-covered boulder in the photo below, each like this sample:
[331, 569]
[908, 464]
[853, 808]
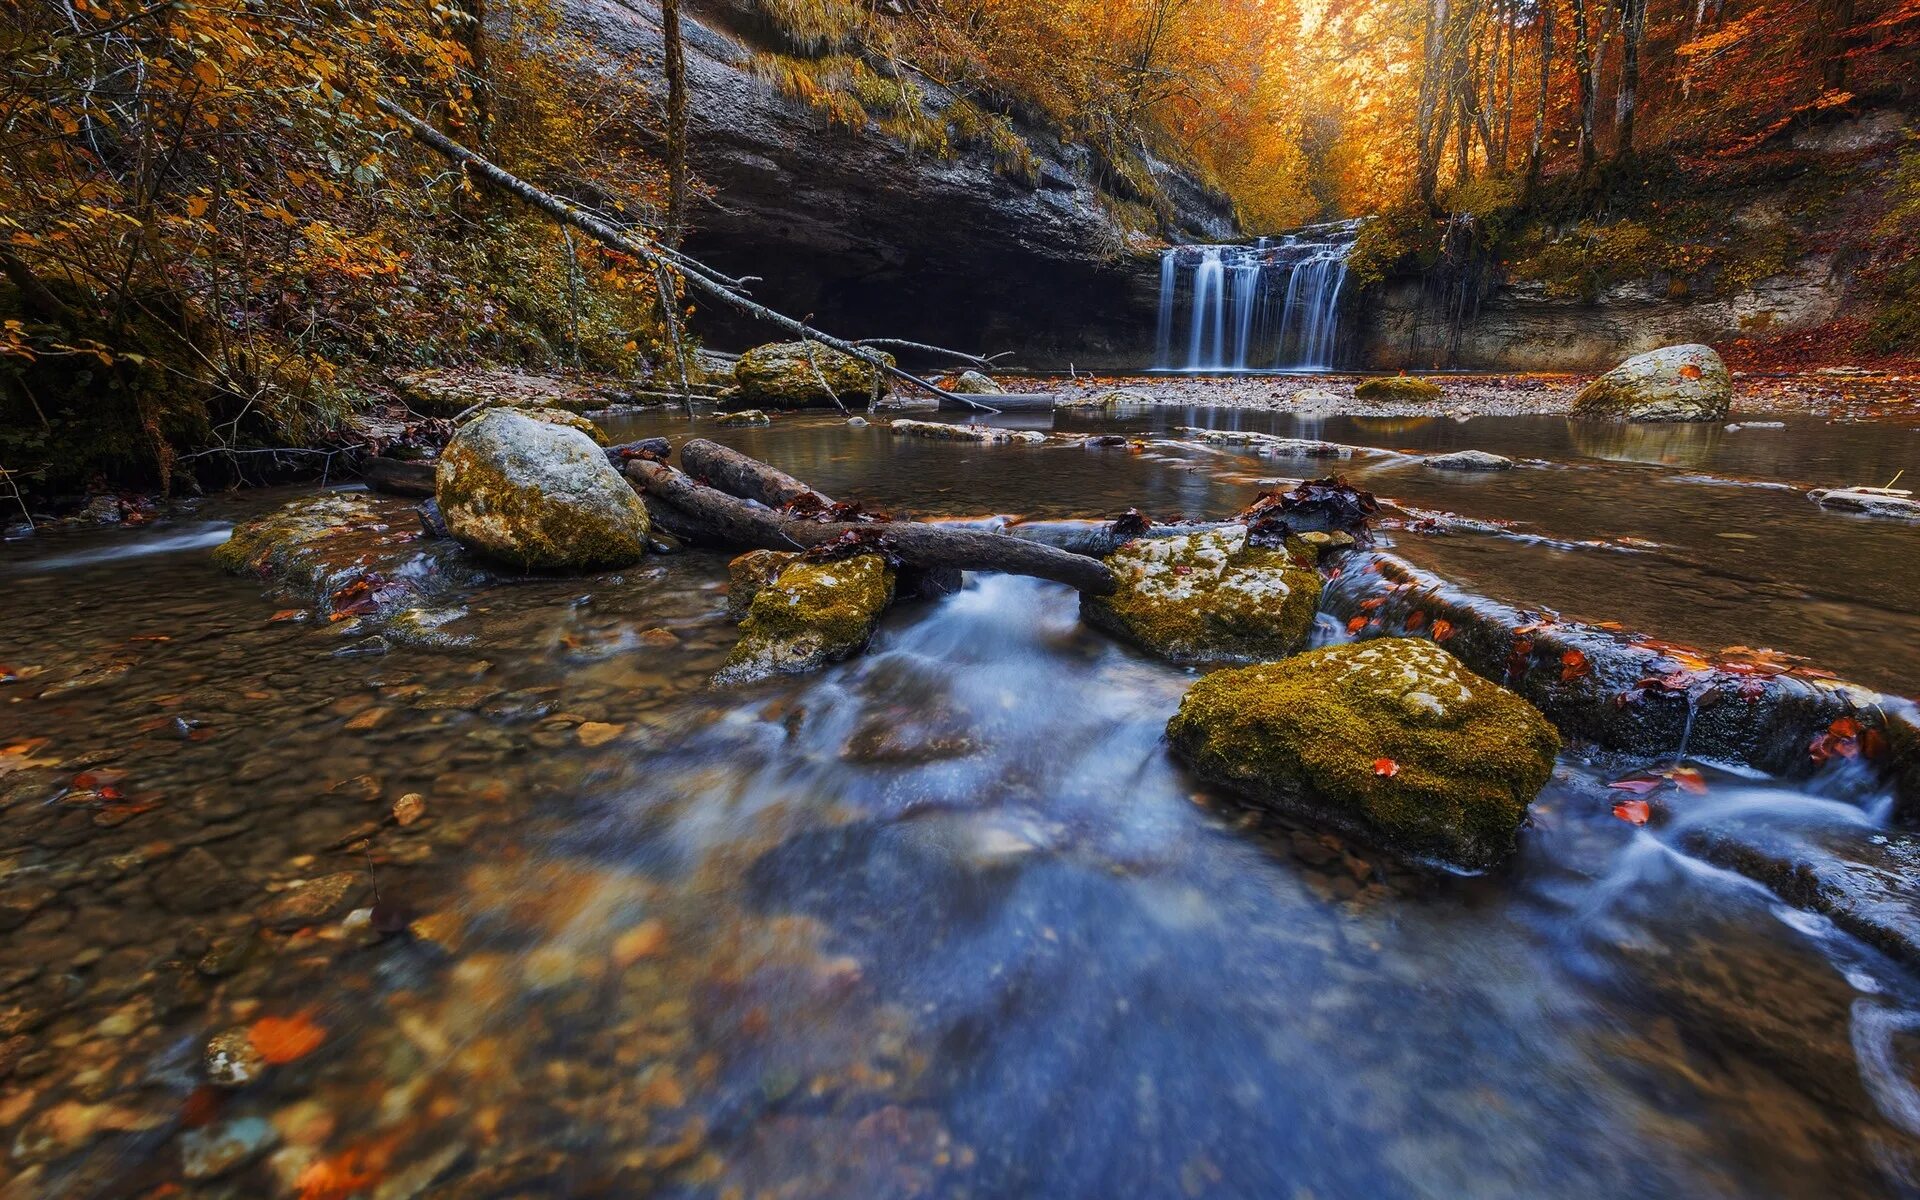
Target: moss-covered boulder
[750, 572]
[1207, 595]
[1673, 383]
[745, 416]
[971, 383]
[538, 496]
[789, 375]
[1397, 389]
[1392, 740]
[812, 614]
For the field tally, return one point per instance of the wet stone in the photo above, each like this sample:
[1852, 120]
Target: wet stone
[311, 900]
[218, 1149]
[231, 1061]
[196, 882]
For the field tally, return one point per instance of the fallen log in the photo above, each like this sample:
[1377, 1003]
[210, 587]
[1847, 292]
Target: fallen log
[739, 475]
[710, 516]
[397, 477]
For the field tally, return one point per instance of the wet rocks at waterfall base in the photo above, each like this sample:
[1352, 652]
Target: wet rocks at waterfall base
[1673, 383]
[1467, 460]
[538, 496]
[1210, 594]
[801, 375]
[1394, 741]
[1872, 502]
[812, 613]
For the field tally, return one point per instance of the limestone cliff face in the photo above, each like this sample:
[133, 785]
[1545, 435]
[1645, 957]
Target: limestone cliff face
[1520, 327]
[874, 239]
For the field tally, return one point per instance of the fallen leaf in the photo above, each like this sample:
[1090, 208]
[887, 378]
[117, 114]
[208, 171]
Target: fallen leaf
[285, 1039]
[1639, 785]
[1633, 812]
[1386, 768]
[1688, 780]
[1441, 630]
[288, 614]
[1415, 620]
[1574, 665]
[1357, 624]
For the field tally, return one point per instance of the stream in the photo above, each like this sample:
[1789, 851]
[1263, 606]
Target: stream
[946, 919]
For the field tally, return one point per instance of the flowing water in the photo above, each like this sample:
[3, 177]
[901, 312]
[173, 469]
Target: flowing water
[1273, 304]
[945, 920]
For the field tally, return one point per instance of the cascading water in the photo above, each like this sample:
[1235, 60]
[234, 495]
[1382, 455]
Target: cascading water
[1272, 305]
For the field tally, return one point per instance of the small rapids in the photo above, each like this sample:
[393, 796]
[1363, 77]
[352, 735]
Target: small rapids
[946, 919]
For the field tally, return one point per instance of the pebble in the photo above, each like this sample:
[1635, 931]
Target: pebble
[217, 1149]
[231, 1060]
[310, 900]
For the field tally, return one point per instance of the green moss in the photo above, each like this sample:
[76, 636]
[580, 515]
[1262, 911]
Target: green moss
[813, 613]
[287, 544]
[1393, 739]
[750, 572]
[1207, 596]
[1398, 389]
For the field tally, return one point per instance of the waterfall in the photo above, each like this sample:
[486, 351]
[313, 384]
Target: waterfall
[1272, 305]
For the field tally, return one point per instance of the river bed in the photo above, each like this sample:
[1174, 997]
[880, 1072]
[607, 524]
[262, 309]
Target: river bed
[945, 920]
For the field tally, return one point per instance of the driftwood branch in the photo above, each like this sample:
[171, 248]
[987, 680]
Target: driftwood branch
[711, 516]
[978, 360]
[697, 274]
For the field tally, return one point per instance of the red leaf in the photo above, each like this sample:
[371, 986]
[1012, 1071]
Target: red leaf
[1633, 812]
[1574, 665]
[1416, 619]
[1688, 780]
[1639, 785]
[1442, 629]
[1357, 624]
[1386, 768]
[285, 1039]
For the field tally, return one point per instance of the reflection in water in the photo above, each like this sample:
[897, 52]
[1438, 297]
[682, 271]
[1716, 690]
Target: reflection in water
[945, 920]
[1665, 444]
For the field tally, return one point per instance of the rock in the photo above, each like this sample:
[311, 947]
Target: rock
[746, 416]
[1110, 398]
[286, 544]
[942, 432]
[537, 495]
[1674, 383]
[217, 1149]
[658, 447]
[789, 374]
[1870, 501]
[857, 422]
[750, 572]
[971, 383]
[231, 1060]
[1392, 740]
[1207, 595]
[1468, 460]
[1737, 426]
[812, 614]
[1270, 445]
[551, 416]
[1397, 389]
[310, 901]
[195, 882]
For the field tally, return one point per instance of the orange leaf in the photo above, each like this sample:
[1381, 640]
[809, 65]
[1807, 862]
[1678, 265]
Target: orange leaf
[1633, 812]
[1442, 629]
[1386, 768]
[1573, 665]
[1357, 624]
[1688, 780]
[285, 1039]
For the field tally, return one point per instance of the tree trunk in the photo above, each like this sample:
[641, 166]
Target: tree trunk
[1583, 68]
[676, 67]
[711, 516]
[1536, 158]
[1833, 64]
[1633, 28]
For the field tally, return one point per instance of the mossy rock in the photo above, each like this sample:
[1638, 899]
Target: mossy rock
[1393, 740]
[537, 495]
[971, 383]
[746, 416]
[1673, 383]
[812, 614]
[290, 545]
[789, 375]
[1398, 389]
[1207, 595]
[750, 572]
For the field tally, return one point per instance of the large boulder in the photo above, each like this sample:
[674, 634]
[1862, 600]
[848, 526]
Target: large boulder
[538, 496]
[789, 375]
[1392, 740]
[1673, 383]
[1207, 595]
[811, 614]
